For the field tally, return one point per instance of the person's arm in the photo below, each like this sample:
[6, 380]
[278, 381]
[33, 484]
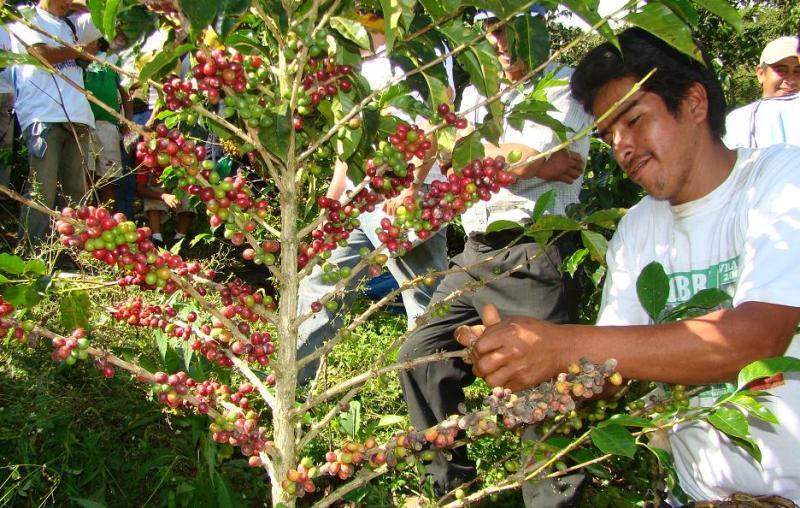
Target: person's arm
[127, 103]
[145, 191]
[57, 54]
[520, 352]
[338, 180]
[562, 166]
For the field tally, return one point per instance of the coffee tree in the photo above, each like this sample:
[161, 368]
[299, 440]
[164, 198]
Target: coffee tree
[279, 84]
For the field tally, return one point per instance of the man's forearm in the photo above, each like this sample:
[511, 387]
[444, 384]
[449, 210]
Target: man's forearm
[703, 350]
[54, 54]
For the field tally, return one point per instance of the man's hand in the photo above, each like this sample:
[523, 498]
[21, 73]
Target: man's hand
[390, 205]
[562, 166]
[170, 200]
[514, 353]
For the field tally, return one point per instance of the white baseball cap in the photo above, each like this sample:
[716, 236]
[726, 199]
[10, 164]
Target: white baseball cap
[779, 49]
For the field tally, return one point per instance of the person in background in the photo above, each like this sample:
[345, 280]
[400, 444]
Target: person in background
[6, 113]
[433, 391]
[775, 118]
[54, 116]
[104, 83]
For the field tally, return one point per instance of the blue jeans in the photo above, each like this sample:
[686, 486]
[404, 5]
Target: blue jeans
[430, 255]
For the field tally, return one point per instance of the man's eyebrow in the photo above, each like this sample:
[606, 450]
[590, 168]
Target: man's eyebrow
[621, 111]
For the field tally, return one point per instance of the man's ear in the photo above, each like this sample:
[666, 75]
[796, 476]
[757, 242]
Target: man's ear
[760, 74]
[696, 103]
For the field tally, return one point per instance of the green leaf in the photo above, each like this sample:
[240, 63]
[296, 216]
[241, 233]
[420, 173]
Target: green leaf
[96, 8]
[575, 259]
[87, 503]
[627, 421]
[753, 407]
[529, 40]
[501, 225]
[74, 308]
[440, 8]
[397, 16]
[607, 218]
[351, 420]
[614, 439]
[544, 203]
[201, 13]
[22, 295]
[467, 149]
[229, 16]
[554, 223]
[389, 420]
[767, 367]
[35, 266]
[162, 343]
[12, 264]
[749, 445]
[704, 299]
[110, 12]
[587, 11]
[347, 139]
[9, 59]
[275, 138]
[652, 287]
[352, 30]
[683, 9]
[724, 10]
[410, 105]
[659, 20]
[3, 279]
[163, 62]
[731, 422]
[437, 91]
[596, 243]
[535, 110]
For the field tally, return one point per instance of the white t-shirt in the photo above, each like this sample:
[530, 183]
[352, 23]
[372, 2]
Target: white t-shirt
[6, 85]
[764, 122]
[41, 96]
[516, 202]
[744, 238]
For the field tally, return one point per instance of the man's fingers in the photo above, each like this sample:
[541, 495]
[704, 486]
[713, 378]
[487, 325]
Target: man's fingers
[490, 315]
[467, 335]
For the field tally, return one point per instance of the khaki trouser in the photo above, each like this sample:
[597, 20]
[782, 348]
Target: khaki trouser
[57, 154]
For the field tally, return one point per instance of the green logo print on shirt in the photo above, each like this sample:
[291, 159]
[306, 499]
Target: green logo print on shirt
[684, 285]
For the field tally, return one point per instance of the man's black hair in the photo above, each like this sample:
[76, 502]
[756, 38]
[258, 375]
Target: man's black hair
[640, 53]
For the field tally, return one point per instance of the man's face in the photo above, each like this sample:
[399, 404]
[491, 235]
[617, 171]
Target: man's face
[56, 7]
[653, 146]
[499, 42]
[780, 78]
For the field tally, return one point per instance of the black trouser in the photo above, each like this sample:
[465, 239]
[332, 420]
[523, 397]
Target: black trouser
[433, 391]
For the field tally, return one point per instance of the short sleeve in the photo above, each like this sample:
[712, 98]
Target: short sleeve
[769, 271]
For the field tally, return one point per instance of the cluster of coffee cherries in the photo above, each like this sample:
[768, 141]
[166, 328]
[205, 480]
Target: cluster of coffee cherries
[551, 398]
[71, 349]
[6, 324]
[169, 147]
[324, 79]
[105, 367]
[450, 117]
[299, 481]
[137, 312]
[302, 37]
[237, 427]
[118, 242]
[445, 199]
[335, 229]
[224, 198]
[211, 73]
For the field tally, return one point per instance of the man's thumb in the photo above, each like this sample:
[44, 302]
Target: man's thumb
[491, 316]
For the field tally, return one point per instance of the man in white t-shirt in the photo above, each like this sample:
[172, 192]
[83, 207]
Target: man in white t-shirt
[772, 119]
[714, 217]
[6, 116]
[537, 288]
[54, 116]
[429, 255]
